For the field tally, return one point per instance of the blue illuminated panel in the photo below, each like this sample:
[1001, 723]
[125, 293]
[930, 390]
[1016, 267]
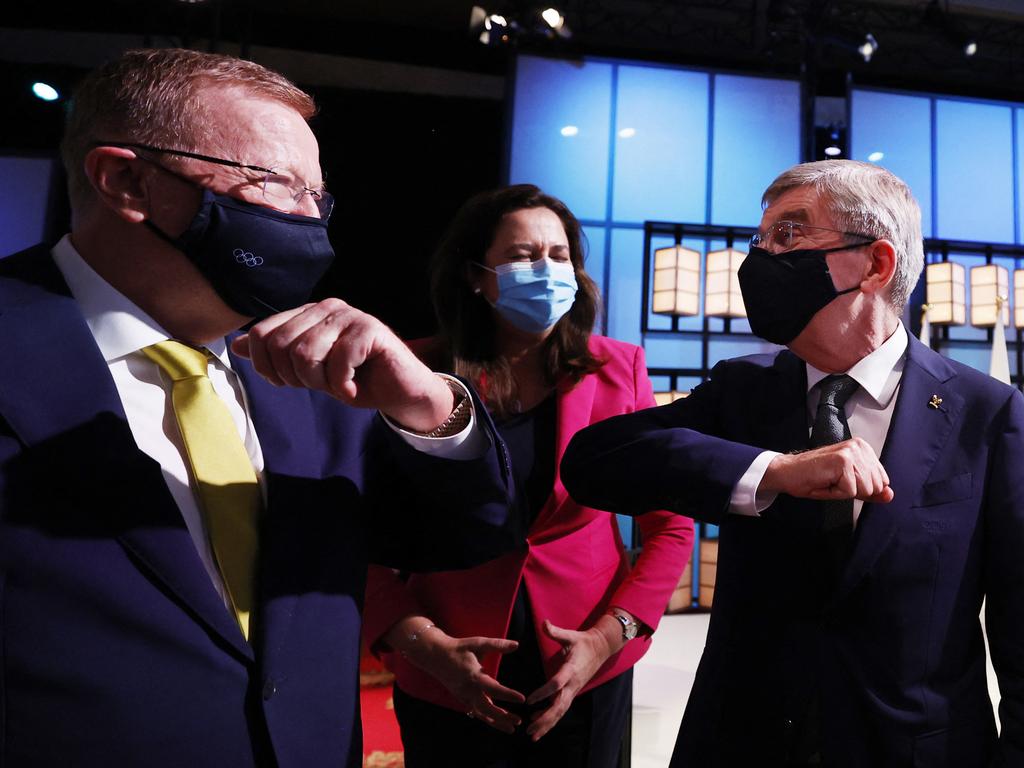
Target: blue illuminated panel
[625, 285]
[756, 137]
[594, 261]
[974, 168]
[1020, 174]
[899, 129]
[661, 141]
[560, 131]
[24, 197]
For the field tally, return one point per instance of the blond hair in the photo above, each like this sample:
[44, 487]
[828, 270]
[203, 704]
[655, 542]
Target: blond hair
[153, 96]
[865, 198]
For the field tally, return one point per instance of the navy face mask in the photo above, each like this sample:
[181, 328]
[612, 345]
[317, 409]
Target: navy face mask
[260, 261]
[783, 291]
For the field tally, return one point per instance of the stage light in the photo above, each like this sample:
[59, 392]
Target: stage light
[569, 130]
[874, 157]
[833, 151]
[489, 28]
[627, 133]
[952, 28]
[868, 48]
[553, 18]
[45, 91]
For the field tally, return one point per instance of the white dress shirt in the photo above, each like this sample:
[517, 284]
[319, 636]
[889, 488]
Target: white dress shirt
[121, 329]
[868, 413]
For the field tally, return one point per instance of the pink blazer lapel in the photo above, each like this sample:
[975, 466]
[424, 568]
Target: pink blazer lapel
[573, 411]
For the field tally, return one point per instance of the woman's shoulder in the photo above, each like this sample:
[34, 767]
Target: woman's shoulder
[607, 348]
[618, 359]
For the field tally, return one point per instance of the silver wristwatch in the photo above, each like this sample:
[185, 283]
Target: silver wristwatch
[629, 627]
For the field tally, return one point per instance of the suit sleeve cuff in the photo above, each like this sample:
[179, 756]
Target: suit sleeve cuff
[471, 443]
[745, 499]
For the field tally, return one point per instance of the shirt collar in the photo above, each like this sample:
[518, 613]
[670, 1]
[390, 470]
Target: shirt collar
[119, 326]
[873, 372]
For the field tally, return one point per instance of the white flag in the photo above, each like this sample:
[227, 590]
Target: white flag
[926, 327]
[999, 367]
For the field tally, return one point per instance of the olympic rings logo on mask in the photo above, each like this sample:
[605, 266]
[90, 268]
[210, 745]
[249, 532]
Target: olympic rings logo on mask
[244, 257]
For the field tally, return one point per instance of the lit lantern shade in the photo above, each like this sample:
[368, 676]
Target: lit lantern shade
[664, 398]
[722, 296]
[988, 283]
[676, 281]
[1018, 298]
[946, 296]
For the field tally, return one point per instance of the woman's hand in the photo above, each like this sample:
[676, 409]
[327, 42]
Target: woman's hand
[585, 653]
[455, 663]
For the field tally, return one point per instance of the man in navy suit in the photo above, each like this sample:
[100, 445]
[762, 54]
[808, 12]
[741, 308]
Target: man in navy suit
[198, 207]
[869, 495]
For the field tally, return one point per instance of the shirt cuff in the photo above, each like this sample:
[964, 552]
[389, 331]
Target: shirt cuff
[745, 499]
[471, 443]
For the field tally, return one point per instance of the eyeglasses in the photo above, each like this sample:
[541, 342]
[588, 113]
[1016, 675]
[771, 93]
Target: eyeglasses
[786, 235]
[280, 190]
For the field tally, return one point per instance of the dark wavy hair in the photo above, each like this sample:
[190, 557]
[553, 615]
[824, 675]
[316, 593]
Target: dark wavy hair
[467, 327]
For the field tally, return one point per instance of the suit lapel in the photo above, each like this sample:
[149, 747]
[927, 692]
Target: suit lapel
[58, 397]
[286, 424]
[779, 410]
[915, 439]
[284, 420]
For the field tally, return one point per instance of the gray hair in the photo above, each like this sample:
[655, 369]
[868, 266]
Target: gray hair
[152, 97]
[865, 198]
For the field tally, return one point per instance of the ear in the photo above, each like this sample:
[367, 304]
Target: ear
[120, 180]
[881, 267]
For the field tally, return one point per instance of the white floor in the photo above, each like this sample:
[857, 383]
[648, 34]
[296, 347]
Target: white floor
[661, 685]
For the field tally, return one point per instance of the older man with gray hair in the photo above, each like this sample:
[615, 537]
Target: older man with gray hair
[868, 496]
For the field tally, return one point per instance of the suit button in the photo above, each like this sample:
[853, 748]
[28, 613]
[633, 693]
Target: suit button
[269, 689]
[788, 723]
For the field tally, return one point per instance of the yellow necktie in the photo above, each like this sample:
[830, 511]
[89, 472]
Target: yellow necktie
[221, 469]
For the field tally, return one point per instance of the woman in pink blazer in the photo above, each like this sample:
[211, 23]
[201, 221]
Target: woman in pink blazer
[536, 647]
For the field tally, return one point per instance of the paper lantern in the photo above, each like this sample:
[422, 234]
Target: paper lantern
[676, 281]
[722, 295]
[946, 296]
[990, 289]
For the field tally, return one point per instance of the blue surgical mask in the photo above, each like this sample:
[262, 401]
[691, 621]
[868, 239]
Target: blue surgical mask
[535, 296]
[260, 261]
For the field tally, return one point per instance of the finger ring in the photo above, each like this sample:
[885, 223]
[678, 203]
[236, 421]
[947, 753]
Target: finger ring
[565, 650]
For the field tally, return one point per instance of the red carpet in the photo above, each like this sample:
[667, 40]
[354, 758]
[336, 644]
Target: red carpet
[382, 744]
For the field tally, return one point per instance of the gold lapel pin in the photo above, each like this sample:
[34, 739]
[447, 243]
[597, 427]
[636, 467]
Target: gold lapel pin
[935, 402]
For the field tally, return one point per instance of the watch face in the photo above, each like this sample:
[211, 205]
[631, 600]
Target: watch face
[628, 627]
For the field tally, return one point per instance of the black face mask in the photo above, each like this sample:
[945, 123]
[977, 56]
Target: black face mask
[260, 261]
[783, 291]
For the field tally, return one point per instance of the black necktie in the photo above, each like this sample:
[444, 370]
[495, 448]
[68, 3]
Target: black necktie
[837, 534]
[830, 427]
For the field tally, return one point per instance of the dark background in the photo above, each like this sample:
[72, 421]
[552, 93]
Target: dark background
[400, 160]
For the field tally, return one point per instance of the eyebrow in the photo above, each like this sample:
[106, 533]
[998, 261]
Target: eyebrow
[282, 170]
[794, 214]
[533, 246]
